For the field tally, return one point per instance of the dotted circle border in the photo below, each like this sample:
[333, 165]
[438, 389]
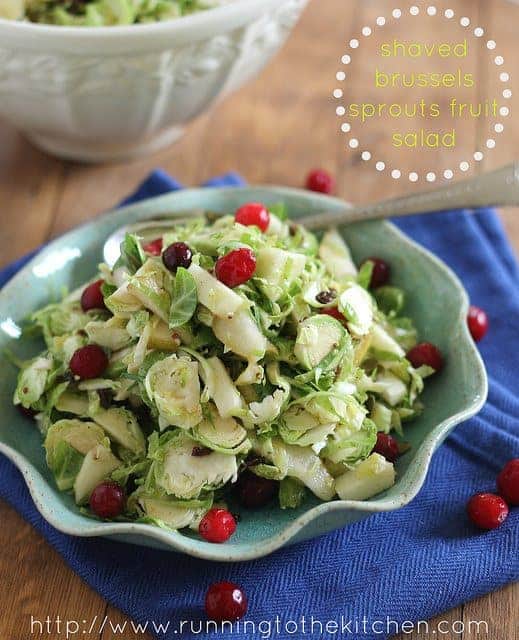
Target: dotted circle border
[430, 176]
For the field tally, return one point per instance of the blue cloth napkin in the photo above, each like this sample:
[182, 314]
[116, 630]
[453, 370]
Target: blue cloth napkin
[408, 565]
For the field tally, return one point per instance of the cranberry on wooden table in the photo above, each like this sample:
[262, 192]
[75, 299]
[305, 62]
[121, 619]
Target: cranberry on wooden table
[320, 181]
[88, 362]
[177, 255]
[427, 354]
[236, 267]
[254, 492]
[154, 248]
[217, 525]
[92, 296]
[477, 321]
[225, 601]
[381, 272]
[387, 446]
[253, 214]
[108, 500]
[508, 482]
[487, 511]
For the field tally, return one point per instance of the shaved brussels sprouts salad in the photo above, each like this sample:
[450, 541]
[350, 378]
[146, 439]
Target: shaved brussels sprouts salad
[99, 13]
[233, 347]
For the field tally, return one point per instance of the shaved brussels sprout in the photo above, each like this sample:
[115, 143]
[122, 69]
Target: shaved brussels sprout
[173, 386]
[317, 337]
[336, 256]
[348, 444]
[221, 434]
[277, 269]
[178, 472]
[122, 302]
[32, 381]
[241, 335]
[369, 478]
[66, 444]
[150, 285]
[171, 513]
[111, 334]
[122, 427]
[291, 493]
[213, 294]
[221, 388]
[356, 305]
[97, 466]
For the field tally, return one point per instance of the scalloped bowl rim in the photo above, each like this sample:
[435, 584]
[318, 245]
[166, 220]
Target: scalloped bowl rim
[178, 542]
[216, 16]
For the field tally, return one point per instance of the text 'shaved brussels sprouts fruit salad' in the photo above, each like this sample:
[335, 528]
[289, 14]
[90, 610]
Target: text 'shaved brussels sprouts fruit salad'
[243, 358]
[98, 13]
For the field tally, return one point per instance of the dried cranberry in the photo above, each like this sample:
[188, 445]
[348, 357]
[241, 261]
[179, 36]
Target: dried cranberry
[177, 255]
[254, 492]
[88, 362]
[325, 297]
[387, 446]
[92, 297]
[381, 272]
[26, 412]
[200, 452]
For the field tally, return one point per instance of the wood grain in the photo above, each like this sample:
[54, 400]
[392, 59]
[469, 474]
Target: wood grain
[273, 131]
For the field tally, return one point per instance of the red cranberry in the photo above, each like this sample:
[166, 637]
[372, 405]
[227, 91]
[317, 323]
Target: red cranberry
[154, 248]
[425, 353]
[254, 492]
[253, 214]
[225, 601]
[108, 500]
[508, 482]
[320, 180]
[236, 267]
[88, 362]
[381, 272]
[477, 320]
[217, 525]
[387, 446]
[92, 297]
[177, 255]
[487, 511]
[334, 313]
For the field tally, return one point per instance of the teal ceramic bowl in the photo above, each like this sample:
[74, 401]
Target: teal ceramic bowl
[436, 300]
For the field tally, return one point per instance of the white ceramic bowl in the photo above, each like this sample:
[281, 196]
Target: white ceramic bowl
[110, 93]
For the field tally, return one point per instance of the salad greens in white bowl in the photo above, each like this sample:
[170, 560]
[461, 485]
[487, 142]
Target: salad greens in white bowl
[224, 352]
[103, 93]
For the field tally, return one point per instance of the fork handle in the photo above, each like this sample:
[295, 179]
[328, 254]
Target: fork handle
[496, 188]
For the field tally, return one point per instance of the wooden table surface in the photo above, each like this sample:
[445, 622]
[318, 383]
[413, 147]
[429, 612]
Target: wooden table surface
[272, 131]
